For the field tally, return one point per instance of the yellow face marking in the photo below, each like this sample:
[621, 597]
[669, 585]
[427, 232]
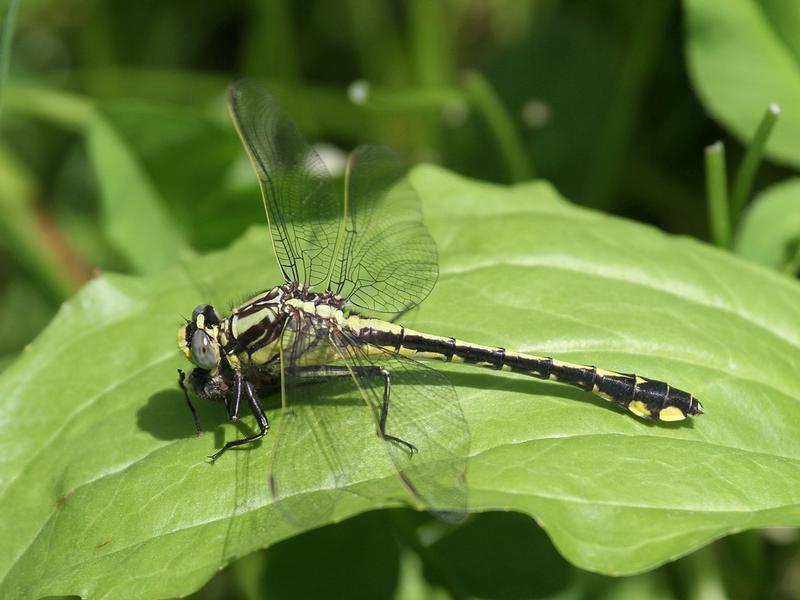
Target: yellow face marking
[639, 408]
[182, 345]
[200, 321]
[671, 413]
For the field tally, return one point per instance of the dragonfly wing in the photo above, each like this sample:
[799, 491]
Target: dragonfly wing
[325, 444]
[423, 412]
[387, 260]
[333, 393]
[303, 206]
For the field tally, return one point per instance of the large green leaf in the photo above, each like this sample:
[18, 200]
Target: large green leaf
[743, 55]
[770, 230]
[106, 491]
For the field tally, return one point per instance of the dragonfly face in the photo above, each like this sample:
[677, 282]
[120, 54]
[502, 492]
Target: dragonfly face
[198, 338]
[341, 250]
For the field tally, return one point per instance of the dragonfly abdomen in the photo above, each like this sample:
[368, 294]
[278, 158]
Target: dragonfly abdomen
[646, 398]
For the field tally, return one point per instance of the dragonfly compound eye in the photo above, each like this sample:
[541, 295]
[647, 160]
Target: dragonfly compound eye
[205, 351]
[210, 316]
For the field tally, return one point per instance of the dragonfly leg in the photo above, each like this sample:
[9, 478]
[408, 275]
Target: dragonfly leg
[181, 378]
[261, 419]
[322, 372]
[387, 393]
[235, 402]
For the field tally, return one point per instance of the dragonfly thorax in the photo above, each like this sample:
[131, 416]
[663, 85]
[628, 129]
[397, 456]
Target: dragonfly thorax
[251, 334]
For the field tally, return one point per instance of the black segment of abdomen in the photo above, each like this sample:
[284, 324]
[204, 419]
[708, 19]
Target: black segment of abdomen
[618, 387]
[472, 355]
[537, 367]
[421, 343]
[582, 377]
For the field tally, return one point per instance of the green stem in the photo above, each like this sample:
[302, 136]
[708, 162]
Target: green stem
[431, 57]
[406, 531]
[717, 195]
[614, 139]
[486, 102]
[743, 183]
[380, 53]
[704, 578]
[21, 234]
[6, 37]
[430, 43]
[792, 265]
[271, 34]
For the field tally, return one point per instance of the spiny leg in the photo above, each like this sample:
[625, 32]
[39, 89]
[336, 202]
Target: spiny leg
[233, 406]
[322, 372]
[181, 378]
[261, 419]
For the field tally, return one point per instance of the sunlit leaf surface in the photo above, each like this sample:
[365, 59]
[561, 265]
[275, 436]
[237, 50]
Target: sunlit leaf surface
[105, 491]
[742, 56]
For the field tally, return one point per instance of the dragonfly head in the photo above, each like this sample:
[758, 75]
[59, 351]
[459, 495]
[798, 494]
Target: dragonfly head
[197, 339]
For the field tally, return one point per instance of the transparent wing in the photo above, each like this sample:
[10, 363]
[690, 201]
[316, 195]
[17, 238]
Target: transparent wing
[422, 413]
[387, 260]
[301, 201]
[327, 443]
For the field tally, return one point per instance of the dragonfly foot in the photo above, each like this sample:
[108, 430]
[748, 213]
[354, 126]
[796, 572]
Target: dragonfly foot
[411, 448]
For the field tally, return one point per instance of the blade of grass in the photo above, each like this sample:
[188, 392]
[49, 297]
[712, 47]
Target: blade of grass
[792, 266]
[431, 52]
[701, 571]
[271, 33]
[376, 39]
[6, 37]
[485, 101]
[717, 195]
[22, 235]
[746, 173]
[430, 43]
[651, 22]
[71, 111]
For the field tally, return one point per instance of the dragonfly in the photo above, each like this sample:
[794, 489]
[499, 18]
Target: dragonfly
[354, 256]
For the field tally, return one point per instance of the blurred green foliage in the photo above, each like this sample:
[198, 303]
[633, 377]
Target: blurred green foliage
[114, 138]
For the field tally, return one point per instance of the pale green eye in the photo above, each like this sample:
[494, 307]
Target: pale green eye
[204, 351]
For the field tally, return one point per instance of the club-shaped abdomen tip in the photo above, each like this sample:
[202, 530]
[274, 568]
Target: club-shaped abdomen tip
[676, 413]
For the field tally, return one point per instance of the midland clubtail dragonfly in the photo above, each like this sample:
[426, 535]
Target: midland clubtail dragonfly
[343, 249]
